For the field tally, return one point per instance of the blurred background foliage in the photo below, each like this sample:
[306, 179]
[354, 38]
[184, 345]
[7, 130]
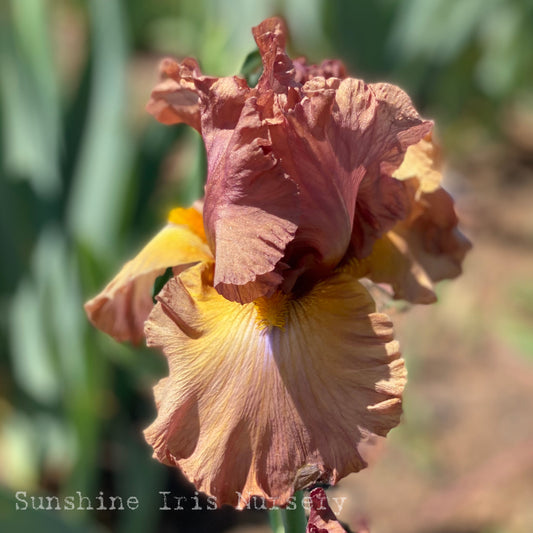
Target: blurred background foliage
[87, 176]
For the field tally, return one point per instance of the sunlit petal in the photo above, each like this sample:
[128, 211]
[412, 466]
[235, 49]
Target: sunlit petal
[122, 307]
[427, 245]
[423, 161]
[340, 144]
[257, 394]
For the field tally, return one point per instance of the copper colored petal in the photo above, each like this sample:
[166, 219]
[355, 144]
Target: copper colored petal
[427, 246]
[278, 70]
[258, 393]
[340, 144]
[175, 98]
[251, 208]
[329, 68]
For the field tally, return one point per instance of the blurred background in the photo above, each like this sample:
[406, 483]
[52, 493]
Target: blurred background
[87, 176]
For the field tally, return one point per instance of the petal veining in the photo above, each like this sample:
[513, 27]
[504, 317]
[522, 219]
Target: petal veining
[246, 407]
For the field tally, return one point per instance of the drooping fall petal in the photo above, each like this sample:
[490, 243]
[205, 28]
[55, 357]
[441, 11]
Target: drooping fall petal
[321, 517]
[259, 393]
[122, 307]
[427, 245]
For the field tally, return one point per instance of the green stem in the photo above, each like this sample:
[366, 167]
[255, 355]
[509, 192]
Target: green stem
[289, 520]
[276, 522]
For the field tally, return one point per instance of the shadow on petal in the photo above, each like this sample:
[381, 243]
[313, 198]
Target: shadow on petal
[427, 245]
[272, 400]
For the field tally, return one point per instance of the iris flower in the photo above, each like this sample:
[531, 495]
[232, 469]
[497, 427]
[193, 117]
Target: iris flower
[281, 371]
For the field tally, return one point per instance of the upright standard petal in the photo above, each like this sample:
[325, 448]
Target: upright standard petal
[122, 307]
[340, 140]
[259, 393]
[427, 246]
[175, 98]
[340, 144]
[251, 207]
[299, 167]
[278, 71]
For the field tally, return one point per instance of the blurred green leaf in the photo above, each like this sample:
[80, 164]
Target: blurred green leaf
[191, 187]
[12, 520]
[144, 481]
[436, 29]
[103, 173]
[356, 31]
[31, 356]
[160, 282]
[29, 98]
[47, 319]
[20, 463]
[500, 35]
[252, 68]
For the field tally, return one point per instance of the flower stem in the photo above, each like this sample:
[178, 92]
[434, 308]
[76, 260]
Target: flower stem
[289, 520]
[276, 522]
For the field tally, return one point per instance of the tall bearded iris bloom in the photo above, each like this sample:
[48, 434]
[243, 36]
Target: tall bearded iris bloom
[280, 368]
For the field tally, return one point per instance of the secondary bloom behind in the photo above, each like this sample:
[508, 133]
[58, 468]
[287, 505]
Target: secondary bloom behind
[280, 369]
[321, 517]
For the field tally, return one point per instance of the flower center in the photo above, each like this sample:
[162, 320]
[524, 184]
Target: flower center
[272, 311]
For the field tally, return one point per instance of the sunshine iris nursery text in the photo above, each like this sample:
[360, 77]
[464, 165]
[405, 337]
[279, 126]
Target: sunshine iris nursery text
[166, 501]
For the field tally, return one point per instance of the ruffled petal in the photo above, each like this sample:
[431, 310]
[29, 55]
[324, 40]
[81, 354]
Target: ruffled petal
[340, 144]
[321, 517]
[176, 98]
[278, 71]
[422, 161]
[329, 68]
[122, 307]
[251, 208]
[394, 261]
[427, 245]
[265, 398]
[381, 201]
[299, 167]
[250, 205]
